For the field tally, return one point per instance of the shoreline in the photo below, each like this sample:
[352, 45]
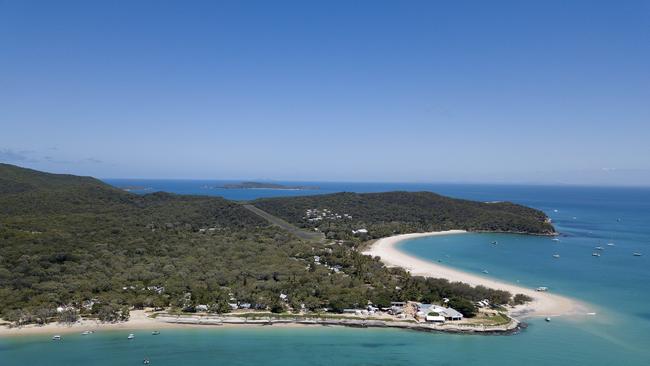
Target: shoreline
[544, 304]
[140, 321]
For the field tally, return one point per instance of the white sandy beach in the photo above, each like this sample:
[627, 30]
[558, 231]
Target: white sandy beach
[138, 320]
[543, 304]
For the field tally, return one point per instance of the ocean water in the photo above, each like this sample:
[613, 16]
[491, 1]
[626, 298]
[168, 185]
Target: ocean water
[616, 285]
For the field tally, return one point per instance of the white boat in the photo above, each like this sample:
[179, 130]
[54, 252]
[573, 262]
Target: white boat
[495, 242]
[637, 254]
[610, 244]
[599, 248]
[555, 239]
[155, 332]
[485, 271]
[146, 361]
[56, 338]
[548, 319]
[594, 254]
[542, 289]
[556, 256]
[87, 332]
[131, 336]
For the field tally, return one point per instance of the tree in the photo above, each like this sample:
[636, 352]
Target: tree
[521, 299]
[68, 316]
[465, 307]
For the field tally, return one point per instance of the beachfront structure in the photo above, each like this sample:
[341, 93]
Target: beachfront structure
[360, 231]
[435, 318]
[446, 313]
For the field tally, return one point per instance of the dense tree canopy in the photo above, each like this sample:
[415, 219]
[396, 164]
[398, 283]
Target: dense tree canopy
[384, 214]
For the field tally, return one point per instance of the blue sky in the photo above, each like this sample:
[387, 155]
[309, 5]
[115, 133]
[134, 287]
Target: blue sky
[499, 91]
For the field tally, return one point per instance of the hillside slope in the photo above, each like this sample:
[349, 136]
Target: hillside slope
[389, 213]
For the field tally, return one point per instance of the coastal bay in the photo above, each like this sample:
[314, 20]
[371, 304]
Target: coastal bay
[544, 304]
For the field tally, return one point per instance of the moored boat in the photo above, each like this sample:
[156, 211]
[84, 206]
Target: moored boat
[131, 336]
[56, 338]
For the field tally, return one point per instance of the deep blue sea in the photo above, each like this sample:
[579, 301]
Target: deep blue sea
[616, 285]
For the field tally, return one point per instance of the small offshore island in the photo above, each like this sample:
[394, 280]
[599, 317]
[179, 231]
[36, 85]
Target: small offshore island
[84, 254]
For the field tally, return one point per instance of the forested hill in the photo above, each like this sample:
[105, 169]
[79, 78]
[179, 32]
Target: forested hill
[383, 214]
[26, 193]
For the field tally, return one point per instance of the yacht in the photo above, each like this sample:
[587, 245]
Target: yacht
[485, 271]
[594, 254]
[556, 239]
[56, 338]
[610, 244]
[556, 256]
[495, 242]
[131, 336]
[599, 248]
[155, 332]
[637, 254]
[146, 361]
[87, 332]
[542, 289]
[548, 319]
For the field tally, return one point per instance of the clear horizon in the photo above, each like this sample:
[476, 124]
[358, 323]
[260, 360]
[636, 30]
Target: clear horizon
[551, 93]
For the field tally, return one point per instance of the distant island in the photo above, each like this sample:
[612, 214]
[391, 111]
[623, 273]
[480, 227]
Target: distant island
[260, 185]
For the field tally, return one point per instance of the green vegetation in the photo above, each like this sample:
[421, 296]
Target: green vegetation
[78, 243]
[384, 214]
[520, 299]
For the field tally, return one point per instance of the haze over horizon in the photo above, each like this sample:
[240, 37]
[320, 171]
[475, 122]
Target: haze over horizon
[547, 93]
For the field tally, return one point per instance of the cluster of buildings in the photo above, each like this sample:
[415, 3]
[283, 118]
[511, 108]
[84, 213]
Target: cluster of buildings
[314, 214]
[424, 312]
[335, 268]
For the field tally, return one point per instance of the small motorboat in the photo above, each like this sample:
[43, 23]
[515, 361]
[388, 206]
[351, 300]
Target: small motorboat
[556, 239]
[556, 256]
[56, 338]
[87, 332]
[485, 271]
[610, 244]
[599, 248]
[542, 289]
[131, 336]
[548, 319]
[155, 332]
[495, 242]
[146, 361]
[637, 254]
[594, 254]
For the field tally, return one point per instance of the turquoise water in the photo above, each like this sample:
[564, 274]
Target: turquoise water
[616, 284]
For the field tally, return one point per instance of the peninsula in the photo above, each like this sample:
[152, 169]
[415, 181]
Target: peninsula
[76, 248]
